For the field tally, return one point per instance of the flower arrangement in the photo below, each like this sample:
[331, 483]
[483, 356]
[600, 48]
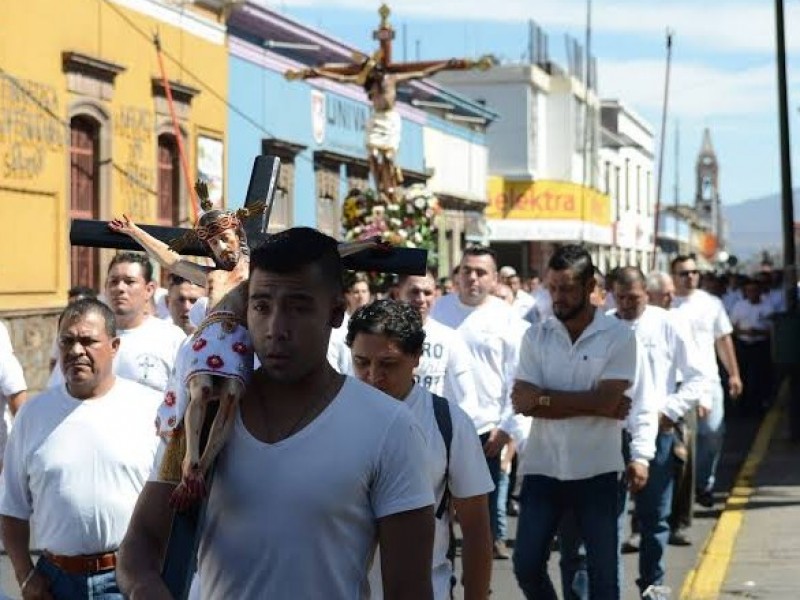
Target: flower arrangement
[408, 223]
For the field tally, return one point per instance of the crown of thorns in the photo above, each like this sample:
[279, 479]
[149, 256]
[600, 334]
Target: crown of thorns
[222, 222]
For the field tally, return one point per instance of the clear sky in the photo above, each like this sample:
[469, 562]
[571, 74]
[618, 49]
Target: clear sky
[723, 69]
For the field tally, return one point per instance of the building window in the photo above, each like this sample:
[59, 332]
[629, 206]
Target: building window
[282, 215]
[533, 130]
[169, 185]
[84, 198]
[627, 184]
[357, 177]
[640, 206]
[326, 175]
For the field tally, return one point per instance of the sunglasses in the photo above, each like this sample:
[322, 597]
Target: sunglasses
[687, 273]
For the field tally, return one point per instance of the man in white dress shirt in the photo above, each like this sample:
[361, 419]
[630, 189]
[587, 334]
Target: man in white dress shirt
[492, 332]
[669, 350]
[573, 377]
[76, 460]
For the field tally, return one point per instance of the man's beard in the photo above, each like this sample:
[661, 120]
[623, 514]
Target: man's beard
[572, 313]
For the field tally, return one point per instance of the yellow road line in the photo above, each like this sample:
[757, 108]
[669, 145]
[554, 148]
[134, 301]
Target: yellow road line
[705, 581]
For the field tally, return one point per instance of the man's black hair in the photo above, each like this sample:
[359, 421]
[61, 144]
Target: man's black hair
[135, 259]
[401, 280]
[627, 276]
[293, 249]
[80, 291]
[479, 250]
[174, 280]
[574, 258]
[351, 278]
[679, 259]
[81, 308]
[398, 321]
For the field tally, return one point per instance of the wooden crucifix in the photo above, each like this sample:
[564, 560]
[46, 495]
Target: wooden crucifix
[180, 560]
[380, 76]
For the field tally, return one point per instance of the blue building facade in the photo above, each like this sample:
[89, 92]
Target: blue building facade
[318, 127]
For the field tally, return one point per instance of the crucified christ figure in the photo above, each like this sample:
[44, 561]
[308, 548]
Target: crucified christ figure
[380, 83]
[217, 361]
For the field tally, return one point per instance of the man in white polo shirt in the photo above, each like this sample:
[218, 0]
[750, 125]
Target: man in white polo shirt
[387, 341]
[445, 367]
[492, 331]
[77, 458]
[573, 374]
[712, 331]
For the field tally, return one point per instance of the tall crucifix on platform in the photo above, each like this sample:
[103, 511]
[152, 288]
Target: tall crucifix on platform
[379, 76]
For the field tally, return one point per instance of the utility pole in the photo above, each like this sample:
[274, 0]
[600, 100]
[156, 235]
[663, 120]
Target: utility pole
[661, 151]
[786, 343]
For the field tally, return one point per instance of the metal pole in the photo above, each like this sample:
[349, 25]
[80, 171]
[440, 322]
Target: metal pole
[677, 180]
[789, 252]
[661, 152]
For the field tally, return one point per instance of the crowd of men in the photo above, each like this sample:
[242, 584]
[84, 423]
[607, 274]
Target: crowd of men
[375, 424]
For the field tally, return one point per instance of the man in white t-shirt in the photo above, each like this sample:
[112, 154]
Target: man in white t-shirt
[573, 376]
[386, 339]
[148, 345]
[445, 367]
[752, 326]
[76, 460]
[356, 295]
[669, 350]
[319, 470]
[13, 388]
[521, 300]
[492, 332]
[181, 297]
[711, 328]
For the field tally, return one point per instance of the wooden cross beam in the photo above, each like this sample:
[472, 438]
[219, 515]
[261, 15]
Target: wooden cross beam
[400, 261]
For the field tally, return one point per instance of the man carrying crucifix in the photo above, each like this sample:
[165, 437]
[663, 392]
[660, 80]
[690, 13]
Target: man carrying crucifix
[320, 469]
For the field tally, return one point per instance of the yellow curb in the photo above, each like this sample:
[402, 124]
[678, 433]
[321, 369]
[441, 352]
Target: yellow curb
[705, 581]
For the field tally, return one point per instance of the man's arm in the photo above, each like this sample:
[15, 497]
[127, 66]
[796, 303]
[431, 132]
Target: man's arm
[16, 535]
[406, 547]
[15, 401]
[606, 400]
[476, 556]
[727, 354]
[160, 252]
[141, 554]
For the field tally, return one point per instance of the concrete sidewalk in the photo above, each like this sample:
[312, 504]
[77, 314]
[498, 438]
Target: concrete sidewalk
[765, 562]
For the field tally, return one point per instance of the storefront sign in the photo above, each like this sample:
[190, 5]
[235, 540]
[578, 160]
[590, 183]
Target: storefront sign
[318, 115]
[547, 200]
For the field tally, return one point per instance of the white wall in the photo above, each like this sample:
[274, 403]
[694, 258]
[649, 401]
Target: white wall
[460, 167]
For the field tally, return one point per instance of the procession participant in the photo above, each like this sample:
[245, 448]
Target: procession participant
[356, 295]
[181, 297]
[521, 300]
[712, 331]
[148, 345]
[492, 332]
[357, 451]
[668, 348]
[445, 366]
[752, 327]
[573, 375]
[13, 392]
[74, 293]
[386, 339]
[76, 460]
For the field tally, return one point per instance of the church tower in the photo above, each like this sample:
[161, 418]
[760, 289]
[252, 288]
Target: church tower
[707, 200]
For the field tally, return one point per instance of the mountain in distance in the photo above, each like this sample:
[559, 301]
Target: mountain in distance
[755, 225]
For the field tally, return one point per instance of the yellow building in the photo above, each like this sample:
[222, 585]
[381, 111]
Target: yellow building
[85, 132]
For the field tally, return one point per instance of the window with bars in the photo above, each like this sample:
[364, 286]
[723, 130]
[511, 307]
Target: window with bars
[326, 174]
[169, 187]
[357, 177]
[84, 198]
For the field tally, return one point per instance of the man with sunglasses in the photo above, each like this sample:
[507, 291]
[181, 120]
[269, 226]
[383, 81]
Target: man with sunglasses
[712, 331]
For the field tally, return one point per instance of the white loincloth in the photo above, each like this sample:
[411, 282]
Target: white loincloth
[383, 130]
[220, 347]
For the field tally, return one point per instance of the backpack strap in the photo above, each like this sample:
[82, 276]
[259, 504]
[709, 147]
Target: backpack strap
[441, 410]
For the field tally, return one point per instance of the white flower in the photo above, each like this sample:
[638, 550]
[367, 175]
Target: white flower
[418, 237]
[403, 233]
[395, 222]
[410, 244]
[420, 203]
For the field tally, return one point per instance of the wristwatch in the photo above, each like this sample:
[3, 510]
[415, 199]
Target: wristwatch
[543, 400]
